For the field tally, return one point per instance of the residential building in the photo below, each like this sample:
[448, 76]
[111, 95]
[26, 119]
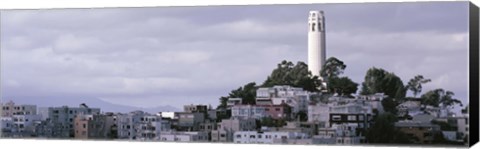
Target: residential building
[90, 126]
[319, 114]
[126, 124]
[411, 107]
[189, 121]
[63, 118]
[6, 126]
[374, 100]
[183, 136]
[195, 108]
[234, 101]
[151, 126]
[308, 128]
[269, 137]
[248, 111]
[23, 125]
[281, 111]
[353, 111]
[418, 132]
[463, 126]
[227, 127]
[348, 134]
[295, 97]
[10, 108]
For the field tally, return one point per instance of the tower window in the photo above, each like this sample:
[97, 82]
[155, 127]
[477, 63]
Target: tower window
[313, 27]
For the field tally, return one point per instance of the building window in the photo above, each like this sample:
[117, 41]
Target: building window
[352, 117]
[84, 125]
[360, 117]
[336, 117]
[313, 27]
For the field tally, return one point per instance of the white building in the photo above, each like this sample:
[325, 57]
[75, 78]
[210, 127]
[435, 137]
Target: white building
[6, 126]
[24, 123]
[227, 127]
[234, 101]
[183, 136]
[319, 114]
[411, 108]
[374, 100]
[63, 118]
[151, 126]
[248, 111]
[126, 124]
[463, 125]
[254, 137]
[10, 108]
[347, 134]
[295, 97]
[316, 42]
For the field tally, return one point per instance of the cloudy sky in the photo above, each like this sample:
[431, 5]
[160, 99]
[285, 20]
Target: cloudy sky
[190, 55]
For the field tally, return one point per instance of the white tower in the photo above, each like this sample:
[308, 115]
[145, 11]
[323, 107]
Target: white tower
[316, 42]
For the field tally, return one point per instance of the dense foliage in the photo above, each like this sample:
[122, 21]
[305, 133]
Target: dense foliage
[378, 80]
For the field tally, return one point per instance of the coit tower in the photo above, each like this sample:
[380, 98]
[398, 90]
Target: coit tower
[316, 42]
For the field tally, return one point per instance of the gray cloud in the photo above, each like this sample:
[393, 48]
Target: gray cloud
[182, 55]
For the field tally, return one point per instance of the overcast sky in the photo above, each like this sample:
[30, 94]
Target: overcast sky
[193, 55]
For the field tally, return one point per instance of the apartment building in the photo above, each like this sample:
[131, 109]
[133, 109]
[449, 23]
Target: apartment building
[23, 125]
[6, 126]
[126, 124]
[269, 137]
[418, 132]
[248, 111]
[63, 118]
[10, 108]
[227, 127]
[296, 98]
[348, 134]
[282, 111]
[90, 126]
[189, 121]
[319, 114]
[183, 136]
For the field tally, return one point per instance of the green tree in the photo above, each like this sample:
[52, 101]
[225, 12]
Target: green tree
[383, 131]
[333, 67]
[415, 84]
[247, 93]
[342, 86]
[296, 75]
[390, 105]
[465, 110]
[439, 97]
[380, 81]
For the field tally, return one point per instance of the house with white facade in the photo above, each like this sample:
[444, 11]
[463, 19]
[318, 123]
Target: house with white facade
[227, 127]
[126, 124]
[319, 114]
[248, 111]
[269, 137]
[295, 97]
[191, 136]
[10, 108]
[347, 134]
[23, 125]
